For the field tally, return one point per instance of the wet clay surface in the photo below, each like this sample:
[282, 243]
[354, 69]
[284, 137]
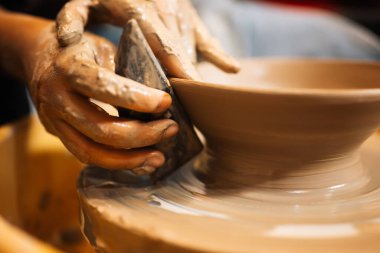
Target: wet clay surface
[183, 215]
[283, 166]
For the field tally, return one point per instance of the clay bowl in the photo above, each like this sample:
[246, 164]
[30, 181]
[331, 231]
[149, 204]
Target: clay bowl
[285, 124]
[284, 169]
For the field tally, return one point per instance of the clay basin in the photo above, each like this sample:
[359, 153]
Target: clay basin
[286, 124]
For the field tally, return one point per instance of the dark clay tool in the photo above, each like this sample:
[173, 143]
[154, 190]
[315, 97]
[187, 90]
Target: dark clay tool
[135, 60]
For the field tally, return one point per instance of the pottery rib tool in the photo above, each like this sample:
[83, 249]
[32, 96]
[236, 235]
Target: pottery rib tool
[135, 60]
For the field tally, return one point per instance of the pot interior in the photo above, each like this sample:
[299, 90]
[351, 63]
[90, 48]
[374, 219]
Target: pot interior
[297, 74]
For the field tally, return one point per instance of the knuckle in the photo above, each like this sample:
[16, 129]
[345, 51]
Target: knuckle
[61, 61]
[83, 153]
[48, 119]
[84, 156]
[66, 39]
[101, 132]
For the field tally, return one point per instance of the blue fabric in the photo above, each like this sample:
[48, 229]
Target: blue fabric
[264, 30]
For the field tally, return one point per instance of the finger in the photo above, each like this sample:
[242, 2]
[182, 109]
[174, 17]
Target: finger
[208, 46]
[104, 52]
[213, 53]
[169, 49]
[96, 124]
[186, 31]
[71, 21]
[167, 11]
[90, 152]
[174, 58]
[86, 77]
[165, 44]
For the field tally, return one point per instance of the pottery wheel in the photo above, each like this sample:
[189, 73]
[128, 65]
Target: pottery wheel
[186, 213]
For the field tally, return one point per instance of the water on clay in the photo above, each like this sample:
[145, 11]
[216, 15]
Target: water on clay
[262, 211]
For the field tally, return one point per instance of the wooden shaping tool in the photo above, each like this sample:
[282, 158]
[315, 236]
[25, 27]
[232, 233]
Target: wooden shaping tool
[135, 60]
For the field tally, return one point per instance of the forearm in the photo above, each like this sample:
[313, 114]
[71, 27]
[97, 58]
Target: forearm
[19, 39]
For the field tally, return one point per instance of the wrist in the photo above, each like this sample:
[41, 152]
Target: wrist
[19, 39]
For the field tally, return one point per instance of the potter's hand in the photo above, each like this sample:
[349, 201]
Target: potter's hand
[171, 27]
[63, 80]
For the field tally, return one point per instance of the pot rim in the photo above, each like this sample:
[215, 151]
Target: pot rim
[304, 92]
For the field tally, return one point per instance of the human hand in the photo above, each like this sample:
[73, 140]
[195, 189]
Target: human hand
[61, 82]
[172, 28]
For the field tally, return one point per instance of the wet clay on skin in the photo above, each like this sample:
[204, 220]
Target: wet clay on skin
[62, 75]
[61, 81]
[285, 167]
[172, 28]
[173, 34]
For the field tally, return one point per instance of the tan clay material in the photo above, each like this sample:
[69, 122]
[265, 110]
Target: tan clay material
[294, 119]
[172, 28]
[286, 169]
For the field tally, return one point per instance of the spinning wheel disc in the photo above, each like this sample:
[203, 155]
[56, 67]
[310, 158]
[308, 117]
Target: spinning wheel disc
[183, 214]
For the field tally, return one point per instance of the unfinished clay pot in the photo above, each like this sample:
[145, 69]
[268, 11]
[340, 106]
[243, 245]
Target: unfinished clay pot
[284, 163]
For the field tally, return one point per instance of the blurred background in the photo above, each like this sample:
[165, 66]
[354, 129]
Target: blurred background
[365, 12]
[322, 29]
[38, 185]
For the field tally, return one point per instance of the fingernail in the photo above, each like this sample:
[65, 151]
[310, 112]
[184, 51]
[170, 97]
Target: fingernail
[170, 131]
[144, 170]
[165, 103]
[156, 159]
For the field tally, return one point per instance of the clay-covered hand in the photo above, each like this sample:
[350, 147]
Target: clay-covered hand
[172, 28]
[63, 80]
